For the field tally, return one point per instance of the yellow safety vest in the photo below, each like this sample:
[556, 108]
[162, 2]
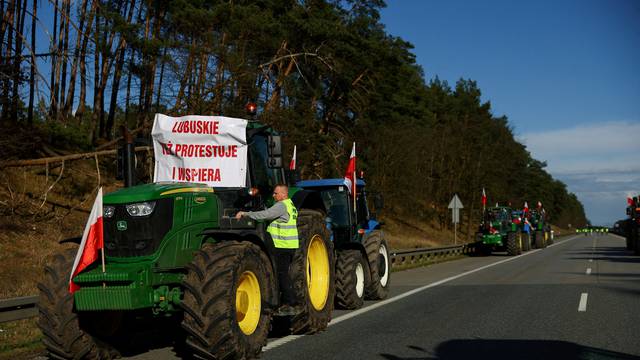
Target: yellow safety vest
[285, 234]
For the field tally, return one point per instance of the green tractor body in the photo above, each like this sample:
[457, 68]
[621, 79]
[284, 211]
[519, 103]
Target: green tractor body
[499, 232]
[362, 265]
[176, 250]
[541, 230]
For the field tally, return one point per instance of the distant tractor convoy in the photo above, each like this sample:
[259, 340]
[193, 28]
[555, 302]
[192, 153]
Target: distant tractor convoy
[514, 231]
[175, 251]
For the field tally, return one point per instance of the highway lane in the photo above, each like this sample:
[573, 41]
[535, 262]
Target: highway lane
[525, 308]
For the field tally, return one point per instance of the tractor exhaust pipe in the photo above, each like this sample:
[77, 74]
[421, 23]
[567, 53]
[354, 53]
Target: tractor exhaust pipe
[126, 158]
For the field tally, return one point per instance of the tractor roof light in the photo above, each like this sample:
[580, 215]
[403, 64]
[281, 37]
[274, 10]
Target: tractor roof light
[251, 108]
[253, 191]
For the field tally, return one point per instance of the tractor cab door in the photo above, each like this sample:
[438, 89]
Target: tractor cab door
[339, 213]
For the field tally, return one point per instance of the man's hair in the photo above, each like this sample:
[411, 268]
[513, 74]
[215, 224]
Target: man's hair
[285, 186]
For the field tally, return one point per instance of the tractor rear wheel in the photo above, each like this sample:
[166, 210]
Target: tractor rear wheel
[513, 244]
[67, 334]
[539, 239]
[226, 289]
[379, 265]
[526, 241]
[352, 273]
[312, 273]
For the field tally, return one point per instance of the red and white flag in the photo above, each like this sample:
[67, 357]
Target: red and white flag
[484, 198]
[292, 164]
[92, 242]
[629, 201]
[350, 174]
[539, 205]
[526, 208]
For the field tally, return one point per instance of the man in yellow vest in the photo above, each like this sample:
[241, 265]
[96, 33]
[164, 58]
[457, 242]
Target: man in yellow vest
[284, 233]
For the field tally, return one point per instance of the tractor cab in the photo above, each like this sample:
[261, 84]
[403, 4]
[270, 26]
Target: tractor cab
[346, 225]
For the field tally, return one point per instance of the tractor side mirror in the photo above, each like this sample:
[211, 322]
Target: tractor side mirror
[629, 211]
[275, 145]
[378, 201]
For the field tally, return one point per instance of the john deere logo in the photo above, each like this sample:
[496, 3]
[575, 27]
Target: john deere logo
[122, 225]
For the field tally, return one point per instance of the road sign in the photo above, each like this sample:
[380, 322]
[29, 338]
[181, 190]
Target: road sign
[455, 205]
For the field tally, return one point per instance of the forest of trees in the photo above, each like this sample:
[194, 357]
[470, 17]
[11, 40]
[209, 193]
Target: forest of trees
[323, 71]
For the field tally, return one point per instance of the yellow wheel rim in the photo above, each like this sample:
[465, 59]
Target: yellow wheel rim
[318, 272]
[248, 302]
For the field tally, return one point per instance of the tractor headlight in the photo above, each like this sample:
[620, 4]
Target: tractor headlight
[108, 211]
[141, 209]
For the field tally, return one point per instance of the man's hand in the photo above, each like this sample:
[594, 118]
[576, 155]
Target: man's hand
[239, 215]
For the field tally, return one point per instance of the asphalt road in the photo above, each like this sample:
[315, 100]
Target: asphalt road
[578, 299]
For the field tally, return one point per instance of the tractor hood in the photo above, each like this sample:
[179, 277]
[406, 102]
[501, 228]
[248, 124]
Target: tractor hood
[152, 191]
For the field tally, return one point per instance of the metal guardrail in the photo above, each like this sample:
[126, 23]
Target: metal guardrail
[416, 257]
[18, 308]
[25, 307]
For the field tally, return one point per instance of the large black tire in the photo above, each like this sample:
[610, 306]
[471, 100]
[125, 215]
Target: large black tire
[629, 242]
[526, 241]
[513, 244]
[379, 264]
[313, 274]
[67, 334]
[539, 239]
[352, 274]
[224, 312]
[635, 236]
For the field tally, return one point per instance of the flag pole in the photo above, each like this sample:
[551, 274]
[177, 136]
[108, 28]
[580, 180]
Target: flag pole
[355, 188]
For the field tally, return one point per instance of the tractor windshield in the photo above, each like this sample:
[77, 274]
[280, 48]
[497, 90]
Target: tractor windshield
[337, 202]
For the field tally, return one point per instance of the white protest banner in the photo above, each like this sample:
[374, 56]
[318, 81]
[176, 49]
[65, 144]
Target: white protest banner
[200, 149]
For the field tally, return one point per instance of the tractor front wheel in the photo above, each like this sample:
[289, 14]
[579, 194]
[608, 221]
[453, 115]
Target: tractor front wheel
[352, 273]
[526, 241]
[226, 289]
[67, 334]
[378, 256]
[312, 273]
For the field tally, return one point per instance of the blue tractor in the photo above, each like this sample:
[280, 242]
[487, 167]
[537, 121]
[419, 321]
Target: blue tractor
[363, 262]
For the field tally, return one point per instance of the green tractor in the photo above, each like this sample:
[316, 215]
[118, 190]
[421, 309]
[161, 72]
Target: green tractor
[542, 236]
[499, 232]
[175, 252]
[362, 261]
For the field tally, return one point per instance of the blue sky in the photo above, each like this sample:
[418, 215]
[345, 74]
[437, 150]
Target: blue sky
[565, 73]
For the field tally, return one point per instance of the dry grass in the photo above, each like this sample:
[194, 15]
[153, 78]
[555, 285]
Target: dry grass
[20, 339]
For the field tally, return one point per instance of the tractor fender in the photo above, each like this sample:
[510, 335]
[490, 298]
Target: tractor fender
[75, 240]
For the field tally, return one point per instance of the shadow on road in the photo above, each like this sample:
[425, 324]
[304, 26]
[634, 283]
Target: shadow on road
[612, 253]
[511, 349]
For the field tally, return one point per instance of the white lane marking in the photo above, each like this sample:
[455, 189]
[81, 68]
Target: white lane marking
[588, 271]
[339, 319]
[582, 306]
[563, 241]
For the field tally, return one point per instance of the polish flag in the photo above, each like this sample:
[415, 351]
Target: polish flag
[292, 164]
[526, 208]
[350, 174]
[92, 242]
[629, 201]
[484, 198]
[539, 205]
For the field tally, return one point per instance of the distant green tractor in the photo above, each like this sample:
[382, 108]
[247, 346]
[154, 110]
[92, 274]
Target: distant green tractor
[542, 236]
[362, 265]
[175, 251]
[499, 232]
